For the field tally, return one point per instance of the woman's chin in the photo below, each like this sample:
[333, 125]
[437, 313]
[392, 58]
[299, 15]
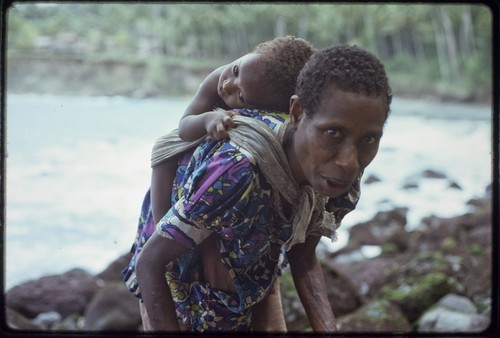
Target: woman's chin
[331, 190]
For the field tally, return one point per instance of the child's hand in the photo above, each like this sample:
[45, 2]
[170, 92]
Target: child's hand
[218, 122]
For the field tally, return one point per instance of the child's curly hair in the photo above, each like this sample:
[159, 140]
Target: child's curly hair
[348, 68]
[285, 56]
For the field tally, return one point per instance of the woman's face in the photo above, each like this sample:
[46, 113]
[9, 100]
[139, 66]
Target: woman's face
[334, 144]
[242, 84]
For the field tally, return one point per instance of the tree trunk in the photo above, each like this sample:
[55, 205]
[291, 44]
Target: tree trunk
[440, 51]
[467, 43]
[450, 43]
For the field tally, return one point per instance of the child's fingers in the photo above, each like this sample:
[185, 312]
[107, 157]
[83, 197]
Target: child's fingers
[220, 133]
[229, 122]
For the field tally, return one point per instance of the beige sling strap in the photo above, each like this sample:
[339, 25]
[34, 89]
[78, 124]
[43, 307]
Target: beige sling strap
[265, 146]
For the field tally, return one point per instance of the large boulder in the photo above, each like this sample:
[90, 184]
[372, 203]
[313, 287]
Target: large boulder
[66, 294]
[415, 295]
[342, 294]
[375, 316]
[113, 308]
[380, 228]
[370, 275]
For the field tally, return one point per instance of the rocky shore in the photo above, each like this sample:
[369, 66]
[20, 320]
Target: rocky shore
[436, 278]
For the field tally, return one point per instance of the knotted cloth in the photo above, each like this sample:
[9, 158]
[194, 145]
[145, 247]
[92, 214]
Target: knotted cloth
[265, 146]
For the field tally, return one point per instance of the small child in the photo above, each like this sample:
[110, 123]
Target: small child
[262, 79]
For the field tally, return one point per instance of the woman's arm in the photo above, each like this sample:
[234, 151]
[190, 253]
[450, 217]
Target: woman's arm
[150, 269]
[199, 117]
[310, 285]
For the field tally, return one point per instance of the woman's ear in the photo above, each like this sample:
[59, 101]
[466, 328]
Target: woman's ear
[296, 109]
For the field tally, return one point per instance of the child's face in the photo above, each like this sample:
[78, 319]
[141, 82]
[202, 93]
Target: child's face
[242, 84]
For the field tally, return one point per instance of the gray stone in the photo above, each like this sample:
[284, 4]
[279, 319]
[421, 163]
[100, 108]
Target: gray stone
[453, 313]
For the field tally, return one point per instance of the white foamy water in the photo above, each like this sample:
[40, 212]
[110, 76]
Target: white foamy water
[78, 168]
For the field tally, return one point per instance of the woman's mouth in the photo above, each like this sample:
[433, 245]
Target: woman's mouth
[335, 183]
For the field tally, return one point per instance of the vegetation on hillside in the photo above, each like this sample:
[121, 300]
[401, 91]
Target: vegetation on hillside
[440, 49]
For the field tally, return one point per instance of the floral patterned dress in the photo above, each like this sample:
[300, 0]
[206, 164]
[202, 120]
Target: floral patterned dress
[219, 189]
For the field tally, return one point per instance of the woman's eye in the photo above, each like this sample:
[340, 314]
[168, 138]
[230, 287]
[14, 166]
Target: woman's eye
[369, 140]
[333, 132]
[235, 69]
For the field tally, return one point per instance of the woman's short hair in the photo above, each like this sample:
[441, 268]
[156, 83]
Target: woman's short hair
[348, 68]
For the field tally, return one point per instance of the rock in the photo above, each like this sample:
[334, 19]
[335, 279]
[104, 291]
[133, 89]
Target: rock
[380, 229]
[66, 294]
[113, 308]
[409, 185]
[72, 322]
[412, 182]
[454, 185]
[369, 276]
[430, 173]
[453, 313]
[47, 319]
[372, 179]
[457, 303]
[376, 316]
[16, 321]
[114, 271]
[415, 295]
[342, 294]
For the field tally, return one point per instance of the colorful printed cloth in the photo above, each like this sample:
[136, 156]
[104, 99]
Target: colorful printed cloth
[219, 189]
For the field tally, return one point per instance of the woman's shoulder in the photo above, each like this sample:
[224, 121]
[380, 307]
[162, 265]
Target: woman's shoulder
[272, 118]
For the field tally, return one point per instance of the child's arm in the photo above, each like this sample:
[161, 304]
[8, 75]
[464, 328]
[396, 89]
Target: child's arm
[200, 117]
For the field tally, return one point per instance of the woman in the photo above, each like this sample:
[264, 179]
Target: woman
[238, 203]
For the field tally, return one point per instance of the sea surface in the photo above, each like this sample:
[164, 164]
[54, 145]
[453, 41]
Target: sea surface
[77, 169]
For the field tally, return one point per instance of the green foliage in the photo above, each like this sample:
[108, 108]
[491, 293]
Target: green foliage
[414, 295]
[476, 249]
[431, 46]
[448, 244]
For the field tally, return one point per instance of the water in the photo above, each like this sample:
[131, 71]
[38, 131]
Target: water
[78, 168]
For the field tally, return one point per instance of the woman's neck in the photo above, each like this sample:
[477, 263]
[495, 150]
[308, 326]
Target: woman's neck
[293, 162]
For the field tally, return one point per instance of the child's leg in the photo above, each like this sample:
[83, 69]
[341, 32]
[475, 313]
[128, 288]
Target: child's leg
[162, 179]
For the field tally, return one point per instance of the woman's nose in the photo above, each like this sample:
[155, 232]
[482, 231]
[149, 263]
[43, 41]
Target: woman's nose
[347, 158]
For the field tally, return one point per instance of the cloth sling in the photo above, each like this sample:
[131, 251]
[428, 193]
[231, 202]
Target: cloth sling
[265, 146]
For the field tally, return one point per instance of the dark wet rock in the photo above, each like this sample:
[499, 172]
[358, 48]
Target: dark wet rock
[342, 294]
[410, 185]
[380, 229]
[372, 179]
[430, 173]
[66, 294]
[454, 185]
[113, 308]
[375, 316]
[413, 182]
[370, 275]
